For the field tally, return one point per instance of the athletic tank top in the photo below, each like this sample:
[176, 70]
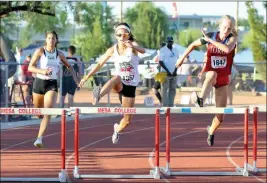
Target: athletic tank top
[218, 60]
[49, 60]
[126, 66]
[73, 62]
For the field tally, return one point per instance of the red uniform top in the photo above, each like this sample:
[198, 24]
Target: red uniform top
[24, 69]
[218, 60]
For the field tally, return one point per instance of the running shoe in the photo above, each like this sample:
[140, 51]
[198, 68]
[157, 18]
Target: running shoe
[96, 95]
[210, 138]
[39, 142]
[197, 100]
[115, 136]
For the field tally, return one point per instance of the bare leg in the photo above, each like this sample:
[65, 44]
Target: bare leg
[63, 101]
[70, 100]
[127, 118]
[50, 99]
[114, 81]
[221, 101]
[209, 82]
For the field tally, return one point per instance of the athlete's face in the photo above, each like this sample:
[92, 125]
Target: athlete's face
[51, 40]
[226, 27]
[122, 35]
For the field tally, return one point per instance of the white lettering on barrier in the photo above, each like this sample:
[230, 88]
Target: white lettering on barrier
[116, 110]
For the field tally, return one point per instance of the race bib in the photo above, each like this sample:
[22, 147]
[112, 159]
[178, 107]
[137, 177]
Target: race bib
[53, 72]
[127, 72]
[218, 62]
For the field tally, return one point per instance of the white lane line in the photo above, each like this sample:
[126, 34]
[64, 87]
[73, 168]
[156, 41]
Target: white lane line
[233, 162]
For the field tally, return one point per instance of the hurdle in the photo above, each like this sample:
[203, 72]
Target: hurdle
[153, 174]
[42, 111]
[253, 168]
[207, 110]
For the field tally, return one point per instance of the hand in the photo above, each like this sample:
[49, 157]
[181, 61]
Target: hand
[48, 71]
[169, 74]
[128, 43]
[80, 85]
[200, 75]
[179, 63]
[206, 38]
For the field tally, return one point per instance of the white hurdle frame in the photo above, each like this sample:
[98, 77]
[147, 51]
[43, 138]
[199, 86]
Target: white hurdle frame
[153, 174]
[207, 110]
[42, 111]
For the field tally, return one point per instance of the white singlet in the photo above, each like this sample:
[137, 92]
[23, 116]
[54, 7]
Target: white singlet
[126, 66]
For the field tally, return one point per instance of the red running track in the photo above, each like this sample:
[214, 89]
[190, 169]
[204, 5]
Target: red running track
[189, 149]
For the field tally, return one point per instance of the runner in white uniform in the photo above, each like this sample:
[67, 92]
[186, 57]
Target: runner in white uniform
[126, 77]
[45, 85]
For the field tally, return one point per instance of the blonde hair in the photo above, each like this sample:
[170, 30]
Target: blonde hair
[233, 23]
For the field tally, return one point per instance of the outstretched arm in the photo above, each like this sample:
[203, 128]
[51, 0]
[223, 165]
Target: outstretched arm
[100, 64]
[191, 47]
[227, 48]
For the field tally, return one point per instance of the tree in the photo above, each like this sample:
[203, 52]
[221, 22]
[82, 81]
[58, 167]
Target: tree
[258, 42]
[98, 26]
[40, 7]
[149, 24]
[92, 43]
[186, 37]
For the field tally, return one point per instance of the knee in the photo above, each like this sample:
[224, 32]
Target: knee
[116, 78]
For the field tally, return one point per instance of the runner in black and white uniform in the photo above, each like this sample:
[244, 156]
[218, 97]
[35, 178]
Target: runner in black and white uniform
[126, 76]
[45, 85]
[69, 86]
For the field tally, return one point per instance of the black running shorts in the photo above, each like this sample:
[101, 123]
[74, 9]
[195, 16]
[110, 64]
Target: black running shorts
[128, 91]
[41, 86]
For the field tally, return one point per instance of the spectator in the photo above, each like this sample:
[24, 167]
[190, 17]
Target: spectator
[167, 59]
[27, 80]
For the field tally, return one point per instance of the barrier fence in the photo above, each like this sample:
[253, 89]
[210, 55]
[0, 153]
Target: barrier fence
[155, 173]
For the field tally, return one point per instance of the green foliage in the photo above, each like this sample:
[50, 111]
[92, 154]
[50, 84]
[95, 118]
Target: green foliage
[149, 24]
[186, 37]
[258, 38]
[98, 23]
[93, 43]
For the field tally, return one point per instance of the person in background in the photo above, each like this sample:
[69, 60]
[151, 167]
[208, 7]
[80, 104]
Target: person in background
[69, 86]
[232, 83]
[28, 79]
[167, 58]
[156, 86]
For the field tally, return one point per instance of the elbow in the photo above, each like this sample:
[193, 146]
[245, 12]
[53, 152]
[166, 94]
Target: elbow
[227, 50]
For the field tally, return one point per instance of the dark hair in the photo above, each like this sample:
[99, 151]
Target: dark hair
[54, 33]
[131, 38]
[72, 49]
[162, 44]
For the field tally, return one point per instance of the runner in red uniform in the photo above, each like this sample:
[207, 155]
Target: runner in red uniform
[220, 53]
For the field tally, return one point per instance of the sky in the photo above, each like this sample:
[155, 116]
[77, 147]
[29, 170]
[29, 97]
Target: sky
[199, 8]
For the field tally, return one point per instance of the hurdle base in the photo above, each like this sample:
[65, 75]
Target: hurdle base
[254, 169]
[75, 172]
[244, 171]
[206, 173]
[62, 176]
[28, 179]
[113, 176]
[166, 170]
[155, 173]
